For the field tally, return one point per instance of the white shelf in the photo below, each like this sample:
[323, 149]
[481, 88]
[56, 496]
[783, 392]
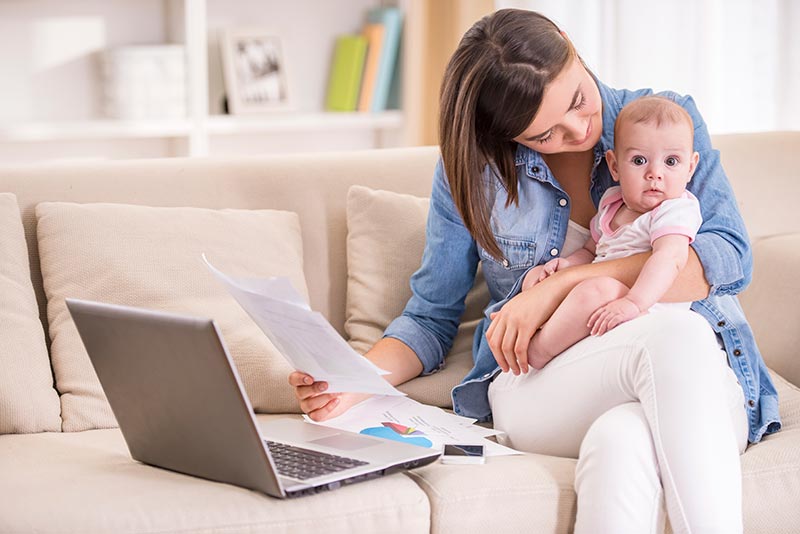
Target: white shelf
[70, 94]
[301, 122]
[215, 125]
[94, 129]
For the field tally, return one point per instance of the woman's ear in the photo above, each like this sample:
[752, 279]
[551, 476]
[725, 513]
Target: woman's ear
[611, 159]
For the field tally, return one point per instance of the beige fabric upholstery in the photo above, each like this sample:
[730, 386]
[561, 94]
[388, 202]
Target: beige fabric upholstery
[28, 402]
[151, 257]
[771, 302]
[529, 493]
[313, 186]
[87, 482]
[66, 472]
[771, 471]
[385, 241]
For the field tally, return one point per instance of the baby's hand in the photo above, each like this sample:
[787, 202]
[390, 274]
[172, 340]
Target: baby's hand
[553, 266]
[532, 278]
[612, 314]
[540, 272]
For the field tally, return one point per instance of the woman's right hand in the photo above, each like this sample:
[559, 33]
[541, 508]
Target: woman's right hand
[316, 403]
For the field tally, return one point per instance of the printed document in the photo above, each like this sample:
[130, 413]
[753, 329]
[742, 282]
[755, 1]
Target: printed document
[304, 337]
[404, 419]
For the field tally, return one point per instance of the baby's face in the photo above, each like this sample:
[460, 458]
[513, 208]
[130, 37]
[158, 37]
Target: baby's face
[653, 163]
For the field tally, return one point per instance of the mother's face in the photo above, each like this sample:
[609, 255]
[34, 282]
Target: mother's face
[570, 118]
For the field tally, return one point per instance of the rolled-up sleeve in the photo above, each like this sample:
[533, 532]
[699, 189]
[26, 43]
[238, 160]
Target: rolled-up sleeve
[430, 320]
[722, 243]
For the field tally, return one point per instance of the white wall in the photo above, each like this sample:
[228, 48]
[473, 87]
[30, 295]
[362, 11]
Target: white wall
[739, 59]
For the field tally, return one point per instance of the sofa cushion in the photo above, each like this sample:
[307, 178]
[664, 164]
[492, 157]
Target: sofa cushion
[151, 257]
[529, 493]
[771, 302]
[771, 471]
[385, 241]
[87, 482]
[28, 401]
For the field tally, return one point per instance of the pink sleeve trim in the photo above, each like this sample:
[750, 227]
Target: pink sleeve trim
[673, 230]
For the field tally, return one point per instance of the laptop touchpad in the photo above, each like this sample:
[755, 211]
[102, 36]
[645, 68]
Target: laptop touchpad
[346, 442]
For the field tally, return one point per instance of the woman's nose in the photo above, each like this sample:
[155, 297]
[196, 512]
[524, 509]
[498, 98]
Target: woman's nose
[576, 127]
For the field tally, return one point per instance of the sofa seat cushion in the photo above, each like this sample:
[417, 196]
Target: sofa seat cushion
[28, 400]
[527, 493]
[385, 241]
[151, 257]
[87, 482]
[771, 471]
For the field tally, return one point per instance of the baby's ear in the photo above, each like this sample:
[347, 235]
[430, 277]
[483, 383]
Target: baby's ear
[611, 159]
[693, 164]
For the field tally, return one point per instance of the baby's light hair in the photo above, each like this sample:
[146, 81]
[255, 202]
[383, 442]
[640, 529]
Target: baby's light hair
[656, 110]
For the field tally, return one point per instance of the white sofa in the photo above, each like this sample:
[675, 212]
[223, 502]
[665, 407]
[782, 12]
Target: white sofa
[65, 468]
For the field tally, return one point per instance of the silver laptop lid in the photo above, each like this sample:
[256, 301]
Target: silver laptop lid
[179, 404]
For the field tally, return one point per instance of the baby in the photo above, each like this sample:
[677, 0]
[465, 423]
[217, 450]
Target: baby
[652, 160]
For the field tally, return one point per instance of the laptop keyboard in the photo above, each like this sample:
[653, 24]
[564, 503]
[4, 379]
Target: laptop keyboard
[301, 464]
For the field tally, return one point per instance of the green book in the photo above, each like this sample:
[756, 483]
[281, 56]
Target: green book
[345, 76]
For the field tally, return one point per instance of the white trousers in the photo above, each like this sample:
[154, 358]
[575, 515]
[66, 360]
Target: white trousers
[654, 415]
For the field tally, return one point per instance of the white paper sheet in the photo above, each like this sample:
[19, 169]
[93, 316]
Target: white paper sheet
[304, 337]
[404, 419]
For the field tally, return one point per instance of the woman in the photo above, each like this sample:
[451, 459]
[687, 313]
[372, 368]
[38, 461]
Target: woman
[652, 409]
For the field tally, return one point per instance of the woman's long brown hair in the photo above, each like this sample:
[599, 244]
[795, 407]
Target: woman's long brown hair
[492, 90]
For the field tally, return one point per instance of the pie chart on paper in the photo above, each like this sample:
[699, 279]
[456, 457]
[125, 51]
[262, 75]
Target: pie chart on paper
[399, 432]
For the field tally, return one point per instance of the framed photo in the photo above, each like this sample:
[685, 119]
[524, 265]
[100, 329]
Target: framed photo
[254, 70]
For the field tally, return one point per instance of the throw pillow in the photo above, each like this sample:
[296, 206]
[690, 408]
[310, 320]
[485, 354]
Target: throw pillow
[385, 242]
[770, 302]
[28, 401]
[151, 258]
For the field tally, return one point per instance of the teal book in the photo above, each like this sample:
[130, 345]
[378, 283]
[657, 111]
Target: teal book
[344, 81]
[387, 77]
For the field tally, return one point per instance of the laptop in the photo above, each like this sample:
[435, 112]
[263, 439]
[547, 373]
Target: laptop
[181, 406]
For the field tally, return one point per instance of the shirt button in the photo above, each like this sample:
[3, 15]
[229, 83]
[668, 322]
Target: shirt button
[505, 262]
[751, 402]
[562, 202]
[554, 252]
[721, 324]
[535, 169]
[737, 352]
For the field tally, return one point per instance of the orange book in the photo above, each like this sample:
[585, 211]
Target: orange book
[374, 35]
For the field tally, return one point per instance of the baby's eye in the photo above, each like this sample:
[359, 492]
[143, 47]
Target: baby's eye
[639, 160]
[671, 161]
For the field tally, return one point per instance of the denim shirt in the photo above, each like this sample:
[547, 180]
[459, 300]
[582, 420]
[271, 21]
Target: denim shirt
[533, 231]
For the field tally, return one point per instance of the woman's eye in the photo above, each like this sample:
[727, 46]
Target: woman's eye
[580, 105]
[671, 161]
[639, 160]
[546, 138]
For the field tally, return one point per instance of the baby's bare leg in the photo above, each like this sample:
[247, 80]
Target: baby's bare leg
[567, 325]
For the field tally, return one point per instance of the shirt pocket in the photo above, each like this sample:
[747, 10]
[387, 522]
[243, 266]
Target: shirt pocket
[519, 255]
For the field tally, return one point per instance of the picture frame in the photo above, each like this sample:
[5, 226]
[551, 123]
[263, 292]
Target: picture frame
[254, 71]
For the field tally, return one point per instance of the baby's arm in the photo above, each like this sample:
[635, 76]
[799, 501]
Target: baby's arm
[670, 253]
[579, 257]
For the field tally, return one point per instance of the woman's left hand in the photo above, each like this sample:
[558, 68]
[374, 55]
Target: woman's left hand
[518, 320]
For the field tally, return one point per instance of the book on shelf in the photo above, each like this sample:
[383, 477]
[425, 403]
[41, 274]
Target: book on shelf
[391, 18]
[374, 34]
[344, 81]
